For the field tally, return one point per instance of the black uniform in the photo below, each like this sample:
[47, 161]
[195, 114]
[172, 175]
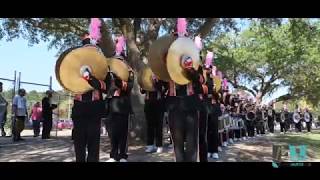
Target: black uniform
[213, 128]
[284, 124]
[308, 124]
[250, 121]
[259, 122]
[154, 111]
[204, 114]
[271, 117]
[118, 116]
[183, 105]
[87, 112]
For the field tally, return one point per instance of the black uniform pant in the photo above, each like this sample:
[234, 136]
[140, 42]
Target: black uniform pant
[118, 133]
[213, 133]
[154, 118]
[231, 133]
[309, 126]
[184, 125]
[203, 143]
[260, 127]
[271, 125]
[238, 133]
[46, 127]
[250, 128]
[283, 127]
[36, 127]
[86, 134]
[298, 126]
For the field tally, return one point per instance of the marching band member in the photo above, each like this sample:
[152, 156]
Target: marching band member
[119, 108]
[86, 115]
[209, 119]
[154, 112]
[250, 118]
[284, 120]
[213, 130]
[308, 119]
[297, 119]
[242, 115]
[259, 121]
[271, 118]
[205, 108]
[183, 118]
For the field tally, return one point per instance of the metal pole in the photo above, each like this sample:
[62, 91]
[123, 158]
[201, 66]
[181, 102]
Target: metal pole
[19, 79]
[57, 121]
[13, 94]
[50, 83]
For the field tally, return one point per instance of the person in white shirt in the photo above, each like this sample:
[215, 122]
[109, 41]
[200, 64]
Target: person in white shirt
[20, 113]
[3, 112]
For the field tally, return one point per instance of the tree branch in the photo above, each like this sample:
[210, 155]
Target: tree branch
[134, 52]
[206, 28]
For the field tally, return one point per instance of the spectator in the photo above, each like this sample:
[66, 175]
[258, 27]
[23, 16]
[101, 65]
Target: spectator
[47, 108]
[20, 113]
[36, 115]
[3, 112]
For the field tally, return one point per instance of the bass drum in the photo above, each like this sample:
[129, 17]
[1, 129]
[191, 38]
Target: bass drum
[296, 117]
[307, 117]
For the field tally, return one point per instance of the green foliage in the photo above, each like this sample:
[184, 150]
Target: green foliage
[264, 58]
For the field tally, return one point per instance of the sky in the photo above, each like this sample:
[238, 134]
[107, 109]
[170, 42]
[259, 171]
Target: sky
[36, 64]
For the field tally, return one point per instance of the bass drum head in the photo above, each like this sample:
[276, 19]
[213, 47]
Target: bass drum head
[70, 63]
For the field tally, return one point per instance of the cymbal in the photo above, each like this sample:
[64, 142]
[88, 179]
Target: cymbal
[157, 56]
[145, 79]
[181, 46]
[119, 67]
[205, 75]
[217, 83]
[71, 62]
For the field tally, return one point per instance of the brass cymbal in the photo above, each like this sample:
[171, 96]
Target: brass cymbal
[145, 79]
[70, 64]
[119, 67]
[205, 75]
[181, 46]
[157, 56]
[217, 83]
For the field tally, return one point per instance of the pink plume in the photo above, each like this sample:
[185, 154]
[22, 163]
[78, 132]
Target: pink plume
[225, 83]
[182, 26]
[209, 58]
[198, 42]
[120, 45]
[214, 70]
[219, 73]
[95, 29]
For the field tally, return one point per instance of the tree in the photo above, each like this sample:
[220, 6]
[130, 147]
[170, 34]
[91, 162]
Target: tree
[63, 33]
[263, 57]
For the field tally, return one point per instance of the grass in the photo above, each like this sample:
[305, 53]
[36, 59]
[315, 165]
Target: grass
[311, 140]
